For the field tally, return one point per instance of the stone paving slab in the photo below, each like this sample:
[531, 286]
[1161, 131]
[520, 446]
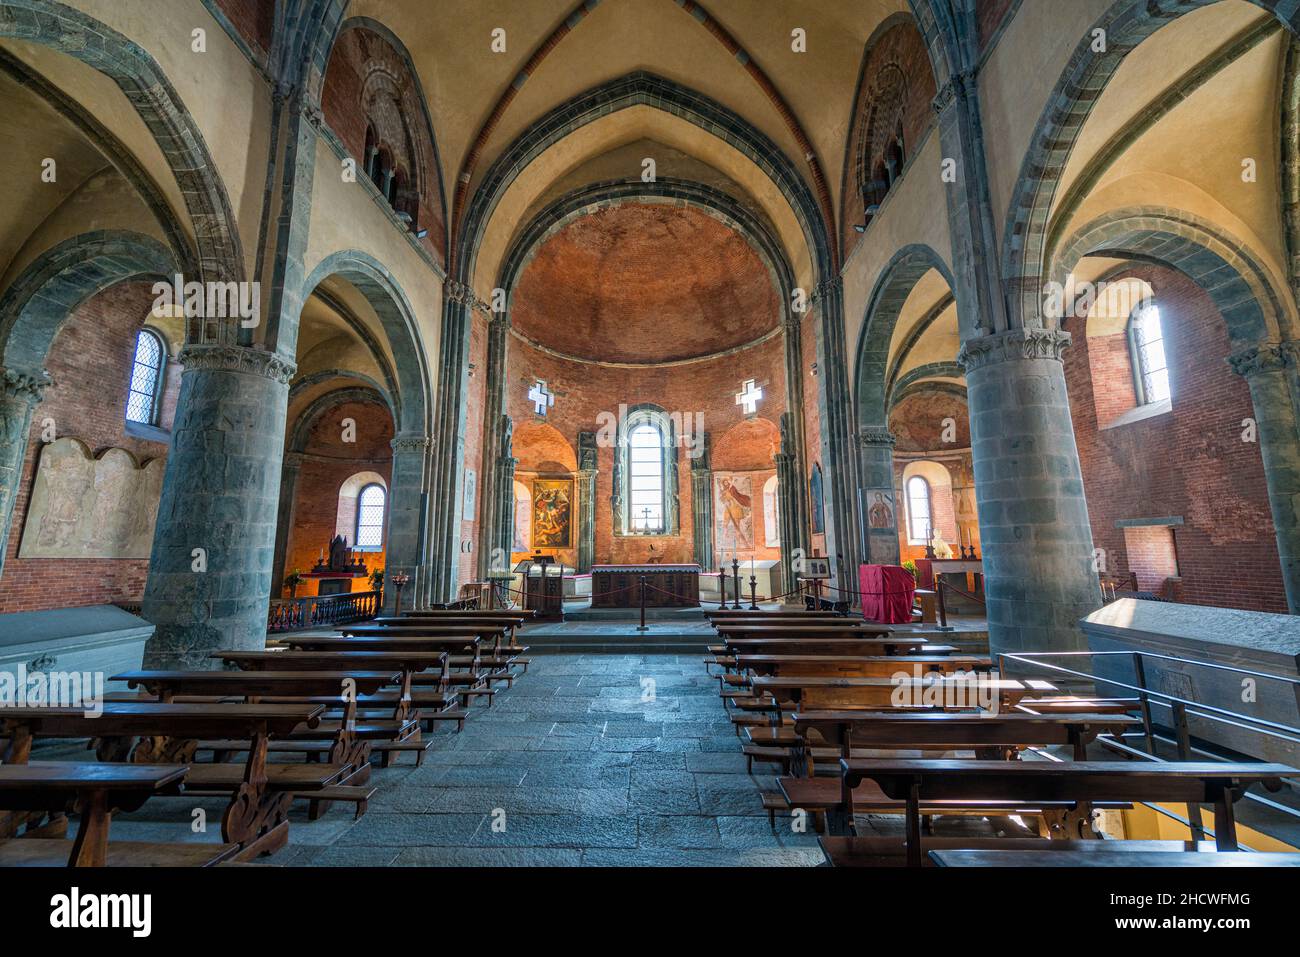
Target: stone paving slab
[590, 759]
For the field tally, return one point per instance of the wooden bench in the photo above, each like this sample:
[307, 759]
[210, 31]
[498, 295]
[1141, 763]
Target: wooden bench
[96, 790]
[154, 733]
[859, 665]
[892, 851]
[1189, 782]
[873, 646]
[801, 629]
[1110, 854]
[953, 692]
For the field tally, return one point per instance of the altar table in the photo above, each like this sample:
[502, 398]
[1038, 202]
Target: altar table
[667, 586]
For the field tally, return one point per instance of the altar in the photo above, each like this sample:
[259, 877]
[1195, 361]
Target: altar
[667, 586]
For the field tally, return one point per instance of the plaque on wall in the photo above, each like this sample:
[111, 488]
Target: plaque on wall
[87, 507]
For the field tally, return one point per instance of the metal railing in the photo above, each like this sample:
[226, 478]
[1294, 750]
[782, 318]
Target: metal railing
[1180, 709]
[297, 614]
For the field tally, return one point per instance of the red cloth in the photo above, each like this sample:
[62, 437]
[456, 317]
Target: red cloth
[887, 592]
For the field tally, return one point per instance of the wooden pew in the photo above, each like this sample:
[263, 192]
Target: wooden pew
[874, 646]
[413, 664]
[345, 741]
[96, 790]
[474, 671]
[859, 665]
[832, 735]
[151, 733]
[890, 851]
[800, 629]
[1107, 854]
[421, 630]
[1187, 782]
[947, 691]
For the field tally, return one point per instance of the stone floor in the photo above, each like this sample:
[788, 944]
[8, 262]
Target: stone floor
[597, 759]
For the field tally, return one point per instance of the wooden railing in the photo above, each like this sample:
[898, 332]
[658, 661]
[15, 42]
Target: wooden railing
[296, 614]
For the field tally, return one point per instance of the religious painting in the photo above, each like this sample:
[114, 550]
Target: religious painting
[471, 494]
[771, 521]
[733, 508]
[880, 510]
[553, 513]
[523, 518]
[817, 496]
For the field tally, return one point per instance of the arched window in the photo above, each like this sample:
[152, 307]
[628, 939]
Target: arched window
[918, 510]
[370, 518]
[1147, 344]
[146, 378]
[645, 479]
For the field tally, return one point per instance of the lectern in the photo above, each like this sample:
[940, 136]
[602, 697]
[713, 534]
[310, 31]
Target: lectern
[544, 592]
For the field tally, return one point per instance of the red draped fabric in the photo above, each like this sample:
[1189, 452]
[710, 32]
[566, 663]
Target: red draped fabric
[887, 592]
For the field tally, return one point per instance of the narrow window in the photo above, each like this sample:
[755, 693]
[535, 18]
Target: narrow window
[645, 479]
[918, 510]
[1150, 370]
[370, 518]
[146, 379]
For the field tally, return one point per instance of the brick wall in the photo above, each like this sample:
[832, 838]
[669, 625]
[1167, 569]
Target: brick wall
[903, 48]
[254, 19]
[329, 462]
[1152, 556]
[1190, 462]
[90, 365]
[357, 54]
[584, 390]
[989, 15]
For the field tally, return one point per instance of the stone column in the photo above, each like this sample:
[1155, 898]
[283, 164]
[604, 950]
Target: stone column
[20, 393]
[1037, 543]
[834, 406]
[289, 473]
[586, 501]
[788, 482]
[801, 527]
[403, 549]
[1270, 371]
[702, 507]
[876, 506]
[450, 411]
[497, 431]
[209, 581]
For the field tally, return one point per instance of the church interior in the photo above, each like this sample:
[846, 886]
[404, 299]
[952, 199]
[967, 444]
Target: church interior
[734, 433]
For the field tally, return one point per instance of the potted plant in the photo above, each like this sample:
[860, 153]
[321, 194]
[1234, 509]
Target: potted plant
[910, 566]
[292, 581]
[377, 580]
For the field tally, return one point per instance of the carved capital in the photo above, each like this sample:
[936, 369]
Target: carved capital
[958, 87]
[1267, 357]
[872, 438]
[293, 460]
[829, 287]
[28, 387]
[1012, 344]
[269, 365]
[411, 442]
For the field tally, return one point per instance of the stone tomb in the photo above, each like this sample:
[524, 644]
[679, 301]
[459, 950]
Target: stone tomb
[1250, 640]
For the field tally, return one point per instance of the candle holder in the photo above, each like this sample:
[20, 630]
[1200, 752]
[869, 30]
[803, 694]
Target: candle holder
[753, 593]
[735, 573]
[400, 581]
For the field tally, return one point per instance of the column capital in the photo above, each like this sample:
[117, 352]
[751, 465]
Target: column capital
[260, 362]
[28, 387]
[959, 86]
[875, 438]
[1013, 344]
[411, 442]
[1265, 357]
[293, 460]
[828, 287]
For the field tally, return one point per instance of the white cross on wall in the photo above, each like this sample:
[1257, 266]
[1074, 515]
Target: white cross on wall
[541, 397]
[748, 396]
